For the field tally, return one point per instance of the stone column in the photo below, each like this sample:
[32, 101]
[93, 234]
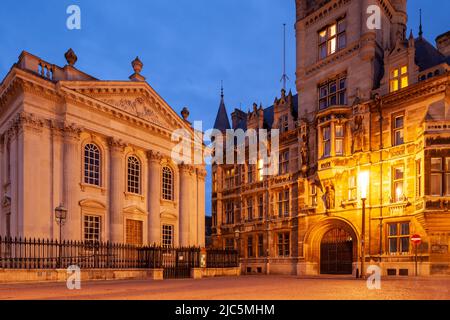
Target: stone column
[116, 190]
[201, 176]
[154, 197]
[186, 172]
[72, 230]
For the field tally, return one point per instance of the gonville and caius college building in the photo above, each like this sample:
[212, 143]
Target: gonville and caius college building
[371, 103]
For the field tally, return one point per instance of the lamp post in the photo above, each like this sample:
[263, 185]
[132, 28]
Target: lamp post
[364, 185]
[60, 216]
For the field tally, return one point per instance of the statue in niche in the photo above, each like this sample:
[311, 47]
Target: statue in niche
[330, 197]
[358, 133]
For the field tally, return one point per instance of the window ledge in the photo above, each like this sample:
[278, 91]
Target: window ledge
[133, 196]
[346, 203]
[168, 203]
[92, 188]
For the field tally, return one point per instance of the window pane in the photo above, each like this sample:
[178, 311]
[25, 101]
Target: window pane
[405, 229]
[393, 245]
[322, 36]
[339, 131]
[342, 41]
[339, 147]
[323, 91]
[393, 229]
[332, 30]
[394, 73]
[327, 149]
[326, 133]
[436, 184]
[323, 51]
[404, 82]
[394, 85]
[447, 184]
[447, 164]
[341, 26]
[332, 46]
[436, 164]
[333, 100]
[404, 70]
[342, 83]
[333, 87]
[398, 173]
[399, 139]
[322, 104]
[399, 122]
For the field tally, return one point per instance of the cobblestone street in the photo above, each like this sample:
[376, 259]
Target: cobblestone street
[242, 288]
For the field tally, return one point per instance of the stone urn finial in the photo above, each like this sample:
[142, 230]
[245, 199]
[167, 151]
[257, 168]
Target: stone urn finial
[137, 67]
[71, 57]
[185, 113]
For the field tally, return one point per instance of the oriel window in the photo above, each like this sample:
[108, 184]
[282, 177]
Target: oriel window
[436, 177]
[339, 147]
[326, 142]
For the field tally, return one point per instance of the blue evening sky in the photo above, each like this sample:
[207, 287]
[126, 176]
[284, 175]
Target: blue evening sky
[187, 47]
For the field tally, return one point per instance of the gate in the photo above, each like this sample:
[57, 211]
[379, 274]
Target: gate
[178, 262]
[336, 252]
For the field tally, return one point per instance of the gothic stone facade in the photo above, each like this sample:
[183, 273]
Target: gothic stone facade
[102, 149]
[368, 100]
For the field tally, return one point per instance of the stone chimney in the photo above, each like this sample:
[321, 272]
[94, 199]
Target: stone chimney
[443, 43]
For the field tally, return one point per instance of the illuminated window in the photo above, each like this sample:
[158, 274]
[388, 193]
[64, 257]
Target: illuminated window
[167, 184]
[398, 184]
[398, 130]
[399, 78]
[134, 175]
[332, 38]
[229, 178]
[352, 189]
[398, 238]
[92, 163]
[333, 92]
[326, 142]
[339, 140]
[260, 170]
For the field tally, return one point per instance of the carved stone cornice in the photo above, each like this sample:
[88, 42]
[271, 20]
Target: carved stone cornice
[154, 156]
[186, 169]
[117, 145]
[201, 173]
[71, 131]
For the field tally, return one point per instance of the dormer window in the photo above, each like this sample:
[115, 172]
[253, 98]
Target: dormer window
[332, 39]
[399, 78]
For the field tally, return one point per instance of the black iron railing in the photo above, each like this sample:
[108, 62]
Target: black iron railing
[22, 253]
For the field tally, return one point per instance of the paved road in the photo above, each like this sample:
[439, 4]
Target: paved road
[232, 288]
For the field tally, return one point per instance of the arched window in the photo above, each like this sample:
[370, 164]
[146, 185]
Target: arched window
[167, 184]
[134, 175]
[92, 164]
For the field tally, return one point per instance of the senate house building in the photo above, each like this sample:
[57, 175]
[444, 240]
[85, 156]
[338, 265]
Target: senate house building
[364, 157]
[102, 150]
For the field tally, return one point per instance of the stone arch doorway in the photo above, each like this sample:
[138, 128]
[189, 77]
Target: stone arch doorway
[336, 252]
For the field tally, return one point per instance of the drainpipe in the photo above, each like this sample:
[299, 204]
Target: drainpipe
[380, 107]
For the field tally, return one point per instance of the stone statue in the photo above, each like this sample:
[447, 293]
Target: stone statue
[329, 198]
[358, 133]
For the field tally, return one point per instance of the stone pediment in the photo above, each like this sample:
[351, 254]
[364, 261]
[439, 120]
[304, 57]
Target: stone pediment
[139, 102]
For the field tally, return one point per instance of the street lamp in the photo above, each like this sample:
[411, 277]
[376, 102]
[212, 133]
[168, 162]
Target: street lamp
[364, 186]
[60, 216]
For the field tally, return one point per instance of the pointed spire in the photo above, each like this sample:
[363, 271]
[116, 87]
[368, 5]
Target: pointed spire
[420, 26]
[284, 77]
[222, 122]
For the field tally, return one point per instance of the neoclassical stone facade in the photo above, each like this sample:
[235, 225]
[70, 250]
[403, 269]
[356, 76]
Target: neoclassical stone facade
[374, 101]
[102, 149]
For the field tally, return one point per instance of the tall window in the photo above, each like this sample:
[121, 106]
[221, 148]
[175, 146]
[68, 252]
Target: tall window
[326, 142]
[339, 143]
[284, 123]
[283, 244]
[333, 92]
[283, 203]
[332, 38]
[134, 232]
[312, 195]
[167, 236]
[418, 178]
[167, 184]
[261, 245]
[399, 78]
[250, 246]
[229, 178]
[250, 209]
[92, 228]
[284, 163]
[250, 173]
[214, 215]
[229, 213]
[134, 175]
[440, 177]
[398, 238]
[398, 184]
[398, 130]
[352, 190]
[92, 164]
[260, 208]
